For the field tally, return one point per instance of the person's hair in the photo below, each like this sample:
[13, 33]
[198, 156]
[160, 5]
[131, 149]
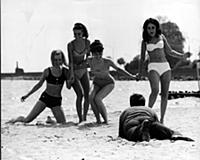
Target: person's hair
[57, 52]
[146, 37]
[80, 26]
[137, 100]
[96, 46]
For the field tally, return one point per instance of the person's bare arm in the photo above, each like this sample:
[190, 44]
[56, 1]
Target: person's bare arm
[124, 72]
[36, 86]
[142, 58]
[70, 58]
[172, 52]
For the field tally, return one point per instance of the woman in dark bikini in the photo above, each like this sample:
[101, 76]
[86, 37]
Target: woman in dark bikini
[78, 51]
[55, 77]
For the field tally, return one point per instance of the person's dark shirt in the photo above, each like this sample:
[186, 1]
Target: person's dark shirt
[138, 113]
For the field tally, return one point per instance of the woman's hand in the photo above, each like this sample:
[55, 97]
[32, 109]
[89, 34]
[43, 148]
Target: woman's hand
[23, 98]
[138, 76]
[186, 55]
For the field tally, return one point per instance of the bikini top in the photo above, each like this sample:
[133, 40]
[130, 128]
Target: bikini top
[100, 67]
[79, 56]
[152, 46]
[55, 80]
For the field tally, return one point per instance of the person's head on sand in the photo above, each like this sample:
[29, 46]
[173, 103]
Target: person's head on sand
[96, 48]
[137, 100]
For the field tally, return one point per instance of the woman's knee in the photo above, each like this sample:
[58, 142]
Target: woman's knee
[79, 95]
[91, 98]
[98, 99]
[155, 90]
[164, 95]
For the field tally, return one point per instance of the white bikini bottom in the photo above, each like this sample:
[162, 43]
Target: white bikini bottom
[159, 67]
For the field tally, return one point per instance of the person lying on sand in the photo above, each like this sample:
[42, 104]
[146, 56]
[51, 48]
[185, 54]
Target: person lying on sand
[140, 123]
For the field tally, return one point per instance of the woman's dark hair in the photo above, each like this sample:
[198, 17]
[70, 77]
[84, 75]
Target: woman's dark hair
[96, 46]
[80, 26]
[137, 100]
[145, 34]
[57, 52]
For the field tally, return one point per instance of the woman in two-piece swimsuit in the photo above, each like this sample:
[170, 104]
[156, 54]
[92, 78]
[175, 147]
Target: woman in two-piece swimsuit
[155, 43]
[55, 76]
[103, 82]
[78, 51]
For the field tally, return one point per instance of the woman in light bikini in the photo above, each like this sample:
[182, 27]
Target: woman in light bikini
[155, 43]
[78, 51]
[103, 82]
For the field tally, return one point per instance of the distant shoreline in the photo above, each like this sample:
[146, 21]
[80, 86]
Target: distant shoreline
[178, 74]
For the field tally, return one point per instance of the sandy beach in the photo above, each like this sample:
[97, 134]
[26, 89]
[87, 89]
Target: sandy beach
[99, 142]
[92, 142]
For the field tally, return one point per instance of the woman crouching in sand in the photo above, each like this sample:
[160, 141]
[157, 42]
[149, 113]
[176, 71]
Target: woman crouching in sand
[103, 82]
[55, 76]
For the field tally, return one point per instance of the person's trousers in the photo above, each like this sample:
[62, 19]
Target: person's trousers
[156, 130]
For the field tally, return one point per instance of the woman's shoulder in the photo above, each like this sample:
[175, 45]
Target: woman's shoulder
[65, 68]
[70, 43]
[108, 60]
[46, 71]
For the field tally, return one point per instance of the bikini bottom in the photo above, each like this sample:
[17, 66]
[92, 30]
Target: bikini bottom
[80, 72]
[159, 67]
[103, 82]
[50, 101]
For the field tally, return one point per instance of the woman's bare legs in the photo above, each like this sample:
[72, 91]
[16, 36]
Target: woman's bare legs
[165, 82]
[154, 83]
[59, 114]
[101, 94]
[93, 103]
[37, 109]
[86, 88]
[79, 97]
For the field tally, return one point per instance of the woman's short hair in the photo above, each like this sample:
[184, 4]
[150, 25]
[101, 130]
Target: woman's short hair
[145, 34]
[137, 100]
[80, 26]
[57, 52]
[96, 46]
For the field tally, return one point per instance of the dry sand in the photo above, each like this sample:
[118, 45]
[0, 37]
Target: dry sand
[92, 142]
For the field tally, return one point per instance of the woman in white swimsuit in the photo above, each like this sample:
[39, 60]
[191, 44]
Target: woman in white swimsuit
[155, 43]
[78, 51]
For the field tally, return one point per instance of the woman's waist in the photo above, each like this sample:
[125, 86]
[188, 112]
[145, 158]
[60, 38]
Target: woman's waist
[159, 63]
[54, 91]
[103, 77]
[157, 57]
[158, 60]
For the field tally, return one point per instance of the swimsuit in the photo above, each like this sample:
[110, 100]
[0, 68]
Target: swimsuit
[51, 101]
[159, 67]
[78, 58]
[102, 82]
[102, 68]
[55, 80]
[152, 46]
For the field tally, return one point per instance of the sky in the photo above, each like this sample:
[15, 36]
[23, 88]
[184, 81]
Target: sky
[31, 29]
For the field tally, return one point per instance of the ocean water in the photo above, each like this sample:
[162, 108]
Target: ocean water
[118, 100]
